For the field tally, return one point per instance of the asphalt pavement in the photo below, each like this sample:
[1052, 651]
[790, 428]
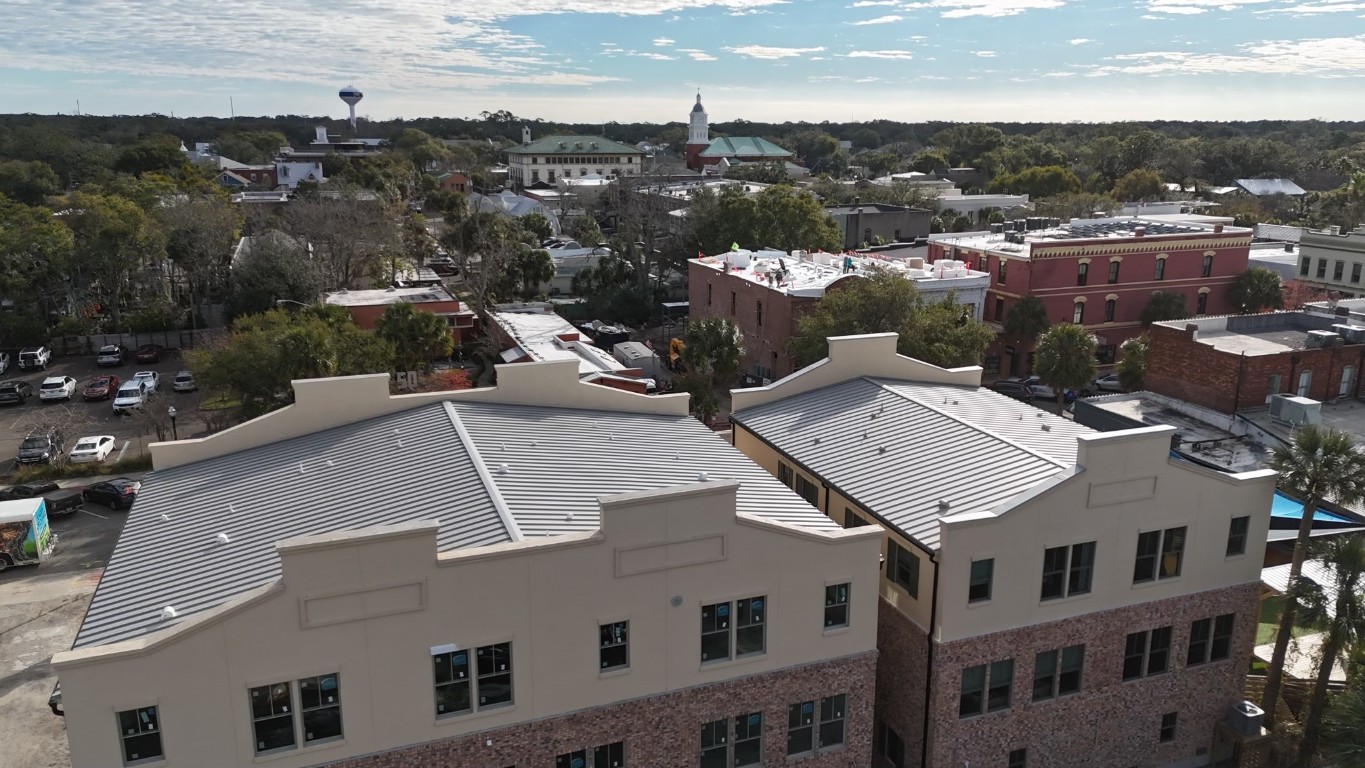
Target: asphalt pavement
[97, 417]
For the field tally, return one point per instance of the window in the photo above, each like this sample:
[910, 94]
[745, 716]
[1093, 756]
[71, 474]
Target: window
[606, 756]
[320, 702]
[1210, 640]
[1208, 266]
[808, 490]
[494, 675]
[784, 474]
[732, 303]
[1274, 387]
[1159, 554]
[1001, 271]
[1322, 268]
[1078, 312]
[747, 746]
[1109, 305]
[457, 685]
[1348, 375]
[1114, 271]
[759, 305]
[979, 586]
[1201, 304]
[272, 717]
[1168, 721]
[1147, 653]
[1355, 272]
[889, 745]
[1305, 381]
[1018, 758]
[748, 629]
[853, 521]
[1082, 271]
[1000, 309]
[1161, 270]
[615, 649]
[1058, 673]
[902, 567]
[749, 739]
[535, 176]
[708, 294]
[715, 747]
[836, 606]
[805, 734]
[452, 683]
[1304, 264]
[140, 734]
[1237, 535]
[1338, 270]
[985, 688]
[1067, 570]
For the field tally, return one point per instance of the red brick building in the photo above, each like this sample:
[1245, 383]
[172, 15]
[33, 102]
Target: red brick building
[1233, 363]
[1099, 273]
[366, 307]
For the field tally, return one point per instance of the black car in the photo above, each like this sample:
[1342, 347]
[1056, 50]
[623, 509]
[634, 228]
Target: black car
[42, 446]
[1015, 389]
[118, 493]
[15, 392]
[29, 491]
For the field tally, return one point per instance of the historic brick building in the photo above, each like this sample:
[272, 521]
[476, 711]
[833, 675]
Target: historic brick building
[1098, 273]
[1237, 362]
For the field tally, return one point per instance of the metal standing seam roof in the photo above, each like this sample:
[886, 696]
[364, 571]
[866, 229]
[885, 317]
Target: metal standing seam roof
[1261, 187]
[574, 145]
[744, 146]
[897, 449]
[559, 462]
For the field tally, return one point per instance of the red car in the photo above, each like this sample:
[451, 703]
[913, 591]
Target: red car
[149, 353]
[101, 388]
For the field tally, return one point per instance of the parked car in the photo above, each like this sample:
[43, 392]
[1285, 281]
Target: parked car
[150, 378]
[57, 388]
[1108, 383]
[1015, 389]
[28, 491]
[4, 362]
[15, 392]
[63, 501]
[130, 396]
[92, 449]
[1037, 387]
[34, 358]
[184, 382]
[118, 493]
[42, 446]
[101, 388]
[149, 353]
[110, 354]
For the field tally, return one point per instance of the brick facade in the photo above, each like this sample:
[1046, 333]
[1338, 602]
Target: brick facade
[902, 678]
[1181, 367]
[664, 731]
[1110, 723]
[712, 292]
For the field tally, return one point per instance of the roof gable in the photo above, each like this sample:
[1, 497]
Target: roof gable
[744, 146]
[565, 145]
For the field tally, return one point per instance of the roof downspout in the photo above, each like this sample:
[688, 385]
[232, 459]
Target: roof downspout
[929, 679]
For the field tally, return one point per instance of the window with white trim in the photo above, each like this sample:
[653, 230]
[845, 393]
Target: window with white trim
[979, 583]
[1067, 570]
[985, 688]
[1147, 653]
[902, 567]
[723, 748]
[744, 630]
[140, 735]
[836, 606]
[615, 645]
[1237, 535]
[1057, 673]
[458, 687]
[1159, 555]
[606, 756]
[1210, 640]
[813, 726]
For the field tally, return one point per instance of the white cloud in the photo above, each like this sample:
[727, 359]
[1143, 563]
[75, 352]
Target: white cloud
[653, 56]
[1323, 57]
[772, 51]
[986, 54]
[664, 41]
[1309, 9]
[957, 9]
[1192, 7]
[891, 19]
[874, 3]
[896, 55]
[697, 54]
[1080, 40]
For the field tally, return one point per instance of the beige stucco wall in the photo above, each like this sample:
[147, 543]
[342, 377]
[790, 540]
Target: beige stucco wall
[1126, 484]
[370, 605]
[324, 403]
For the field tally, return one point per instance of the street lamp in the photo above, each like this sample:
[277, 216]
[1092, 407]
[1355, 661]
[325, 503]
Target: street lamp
[171, 412]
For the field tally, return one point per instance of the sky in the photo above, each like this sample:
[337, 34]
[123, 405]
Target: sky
[644, 60]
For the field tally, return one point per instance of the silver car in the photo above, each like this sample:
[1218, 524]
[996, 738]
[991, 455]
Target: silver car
[184, 382]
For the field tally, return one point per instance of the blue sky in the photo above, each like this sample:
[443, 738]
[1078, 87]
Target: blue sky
[591, 60]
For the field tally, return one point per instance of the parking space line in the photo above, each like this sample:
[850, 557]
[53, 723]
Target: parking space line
[92, 514]
[123, 450]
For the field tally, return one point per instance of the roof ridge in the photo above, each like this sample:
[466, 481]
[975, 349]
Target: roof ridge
[509, 522]
[881, 382]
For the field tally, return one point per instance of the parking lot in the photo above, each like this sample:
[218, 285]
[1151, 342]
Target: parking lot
[41, 608]
[98, 417]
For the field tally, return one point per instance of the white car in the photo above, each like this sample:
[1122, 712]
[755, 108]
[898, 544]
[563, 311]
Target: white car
[150, 378]
[89, 449]
[184, 382]
[1108, 383]
[130, 396]
[57, 388]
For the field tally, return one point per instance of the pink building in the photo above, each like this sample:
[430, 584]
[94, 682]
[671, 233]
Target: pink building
[1099, 273]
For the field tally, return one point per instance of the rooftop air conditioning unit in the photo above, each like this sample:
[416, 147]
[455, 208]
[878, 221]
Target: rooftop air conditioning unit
[1353, 334]
[1319, 339]
[1245, 718]
[1295, 411]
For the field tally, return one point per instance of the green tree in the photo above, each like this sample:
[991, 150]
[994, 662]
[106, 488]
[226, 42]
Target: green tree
[762, 173]
[967, 144]
[1337, 610]
[1132, 366]
[114, 241]
[250, 147]
[156, 153]
[200, 233]
[585, 230]
[1342, 732]
[35, 254]
[526, 271]
[1026, 320]
[30, 183]
[1038, 182]
[1163, 306]
[1321, 464]
[1079, 205]
[270, 267]
[417, 336]
[928, 161]
[866, 138]
[536, 224]
[778, 217]
[1257, 290]
[1065, 358]
[349, 231]
[944, 333]
[1139, 184]
[813, 145]
[714, 349]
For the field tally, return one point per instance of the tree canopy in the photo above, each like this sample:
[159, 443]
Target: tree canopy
[1163, 306]
[1256, 290]
[778, 217]
[416, 336]
[1065, 358]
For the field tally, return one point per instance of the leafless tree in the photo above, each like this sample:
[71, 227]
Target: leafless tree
[69, 421]
[348, 229]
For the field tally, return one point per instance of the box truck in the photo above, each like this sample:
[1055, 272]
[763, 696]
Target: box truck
[25, 537]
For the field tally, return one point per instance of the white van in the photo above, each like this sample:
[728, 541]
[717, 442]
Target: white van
[131, 396]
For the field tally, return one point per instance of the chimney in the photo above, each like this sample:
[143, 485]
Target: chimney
[1288, 247]
[1140, 232]
[1217, 228]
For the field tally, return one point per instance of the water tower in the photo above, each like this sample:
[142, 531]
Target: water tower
[351, 95]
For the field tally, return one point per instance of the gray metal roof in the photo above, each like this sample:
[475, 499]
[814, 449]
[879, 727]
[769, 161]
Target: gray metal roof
[1262, 187]
[898, 448]
[1282, 233]
[420, 464]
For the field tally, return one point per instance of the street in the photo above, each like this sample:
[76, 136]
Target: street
[97, 417]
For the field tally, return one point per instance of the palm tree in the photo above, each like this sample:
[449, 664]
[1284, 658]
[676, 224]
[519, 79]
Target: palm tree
[1321, 464]
[1065, 358]
[715, 349]
[1345, 737]
[1338, 609]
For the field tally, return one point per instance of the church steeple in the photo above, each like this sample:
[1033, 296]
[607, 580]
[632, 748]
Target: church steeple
[698, 131]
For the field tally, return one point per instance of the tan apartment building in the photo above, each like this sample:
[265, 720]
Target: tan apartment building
[455, 579]
[1051, 596]
[1333, 259]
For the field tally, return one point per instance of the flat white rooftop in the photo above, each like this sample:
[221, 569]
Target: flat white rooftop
[809, 274]
[537, 336]
[1124, 228]
[418, 295]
